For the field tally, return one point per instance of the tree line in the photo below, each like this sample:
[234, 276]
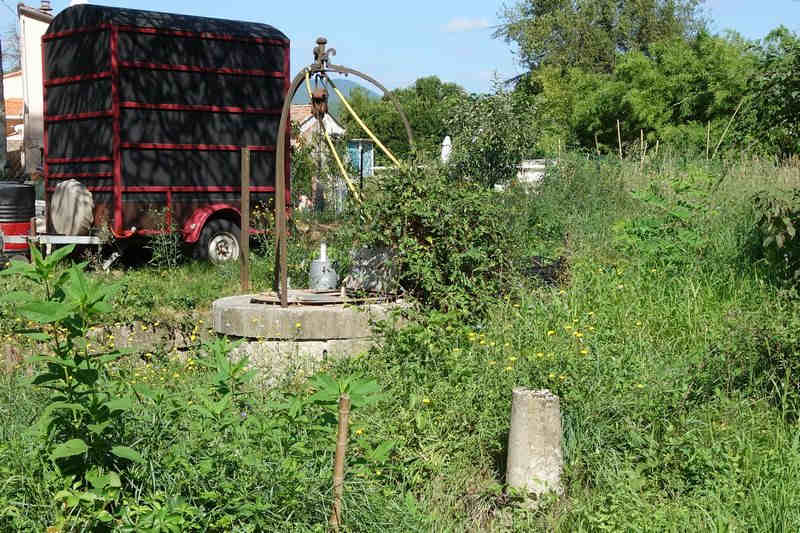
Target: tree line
[609, 74]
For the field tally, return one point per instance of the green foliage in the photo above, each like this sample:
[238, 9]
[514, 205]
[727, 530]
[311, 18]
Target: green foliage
[672, 94]
[427, 104]
[671, 235]
[83, 419]
[779, 216]
[167, 244]
[491, 135]
[455, 245]
[775, 92]
[590, 33]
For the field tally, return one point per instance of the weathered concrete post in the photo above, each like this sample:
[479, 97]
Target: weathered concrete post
[534, 442]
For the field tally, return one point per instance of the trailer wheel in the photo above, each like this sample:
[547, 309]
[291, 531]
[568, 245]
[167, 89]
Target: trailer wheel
[219, 241]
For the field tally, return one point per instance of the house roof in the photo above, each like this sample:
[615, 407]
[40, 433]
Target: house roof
[14, 107]
[300, 113]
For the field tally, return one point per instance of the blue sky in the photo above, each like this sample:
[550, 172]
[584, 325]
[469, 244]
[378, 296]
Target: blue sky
[399, 41]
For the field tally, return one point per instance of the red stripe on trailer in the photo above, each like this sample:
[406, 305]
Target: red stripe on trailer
[203, 35]
[175, 188]
[75, 79]
[209, 108]
[194, 188]
[65, 160]
[199, 147]
[45, 140]
[78, 116]
[287, 159]
[193, 68]
[116, 150]
[76, 31]
[64, 175]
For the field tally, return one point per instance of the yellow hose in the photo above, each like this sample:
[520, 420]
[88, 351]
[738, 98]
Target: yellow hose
[349, 183]
[361, 122]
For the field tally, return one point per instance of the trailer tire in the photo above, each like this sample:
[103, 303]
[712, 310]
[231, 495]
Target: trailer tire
[219, 241]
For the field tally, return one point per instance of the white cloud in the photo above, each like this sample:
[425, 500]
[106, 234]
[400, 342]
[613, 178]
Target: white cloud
[457, 24]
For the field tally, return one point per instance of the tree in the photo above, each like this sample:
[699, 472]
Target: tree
[11, 51]
[427, 104]
[773, 116]
[591, 33]
[492, 135]
[671, 94]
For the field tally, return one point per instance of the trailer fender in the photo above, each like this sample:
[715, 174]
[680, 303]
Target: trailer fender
[195, 223]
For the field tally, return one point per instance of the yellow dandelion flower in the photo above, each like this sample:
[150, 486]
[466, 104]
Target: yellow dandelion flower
[638, 323]
[359, 431]
[552, 375]
[562, 377]
[590, 328]
[584, 352]
[578, 334]
[298, 325]
[567, 327]
[639, 386]
[426, 400]
[508, 368]
[550, 333]
[512, 359]
[540, 354]
[506, 345]
[562, 291]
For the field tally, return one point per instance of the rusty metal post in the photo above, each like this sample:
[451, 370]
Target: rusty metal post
[338, 465]
[244, 240]
[321, 65]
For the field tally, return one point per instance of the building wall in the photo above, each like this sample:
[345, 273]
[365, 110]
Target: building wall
[31, 32]
[12, 85]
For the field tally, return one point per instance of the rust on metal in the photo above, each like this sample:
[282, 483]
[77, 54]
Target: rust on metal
[321, 65]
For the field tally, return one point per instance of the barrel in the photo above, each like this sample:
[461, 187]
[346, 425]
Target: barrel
[17, 208]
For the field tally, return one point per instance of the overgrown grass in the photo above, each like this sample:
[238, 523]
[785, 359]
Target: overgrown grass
[671, 344]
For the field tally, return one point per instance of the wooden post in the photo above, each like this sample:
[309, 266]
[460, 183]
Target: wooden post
[338, 465]
[244, 240]
[619, 139]
[641, 149]
[596, 145]
[708, 139]
[657, 141]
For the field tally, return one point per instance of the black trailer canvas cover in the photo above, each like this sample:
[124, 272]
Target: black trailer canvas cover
[151, 110]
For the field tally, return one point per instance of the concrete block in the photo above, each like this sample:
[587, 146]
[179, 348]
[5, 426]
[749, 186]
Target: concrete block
[280, 360]
[535, 459]
[238, 316]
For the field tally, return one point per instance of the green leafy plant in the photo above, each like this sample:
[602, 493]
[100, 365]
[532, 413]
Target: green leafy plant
[777, 226]
[84, 416]
[455, 239]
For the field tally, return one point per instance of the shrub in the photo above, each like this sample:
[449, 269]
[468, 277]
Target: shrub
[777, 223]
[455, 241]
[492, 134]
